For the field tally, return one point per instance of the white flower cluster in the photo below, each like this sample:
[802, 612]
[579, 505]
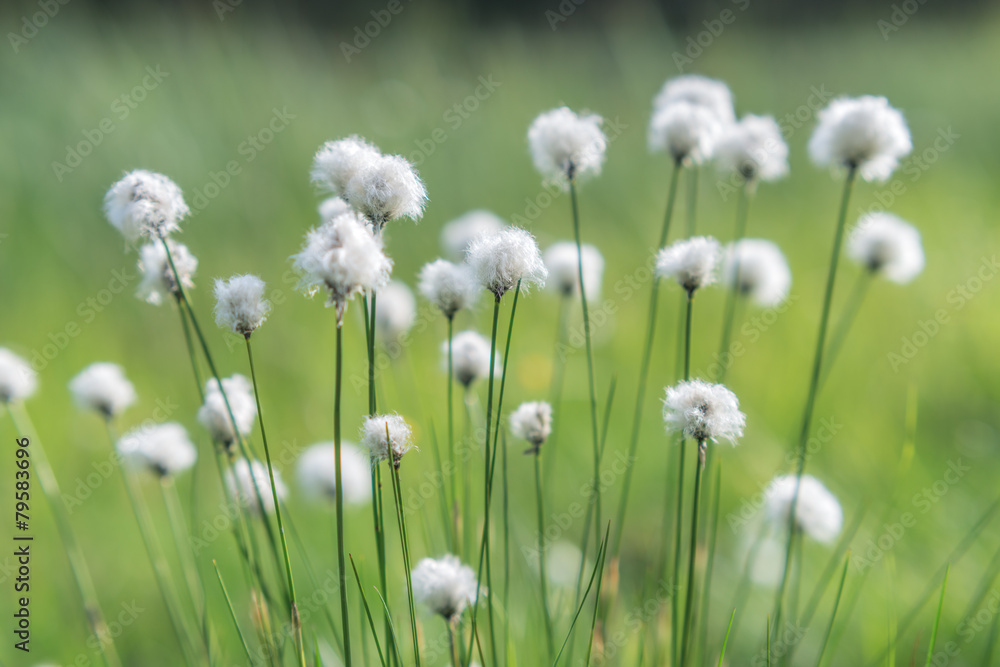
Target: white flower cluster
[703, 411]
[457, 235]
[444, 585]
[692, 262]
[757, 269]
[248, 482]
[450, 287]
[163, 449]
[566, 146]
[862, 133]
[506, 258]
[240, 305]
[158, 277]
[470, 353]
[18, 380]
[689, 114]
[214, 415]
[144, 204]
[563, 264]
[754, 149]
[817, 512]
[103, 388]
[318, 476]
[532, 422]
[387, 437]
[396, 310]
[886, 244]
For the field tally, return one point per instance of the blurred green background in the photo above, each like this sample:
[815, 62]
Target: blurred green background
[222, 79]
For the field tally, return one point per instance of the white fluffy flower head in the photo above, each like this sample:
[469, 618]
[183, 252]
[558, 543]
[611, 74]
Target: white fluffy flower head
[754, 149]
[444, 585]
[692, 262]
[450, 287]
[244, 481]
[862, 132]
[532, 422]
[562, 262]
[337, 162]
[470, 357]
[18, 380]
[331, 207]
[385, 189]
[214, 416]
[144, 204]
[702, 91]
[757, 269]
[566, 146]
[163, 449]
[396, 310]
[886, 244]
[462, 231]
[387, 437]
[103, 388]
[240, 305]
[158, 279]
[817, 512]
[318, 476]
[687, 131]
[703, 411]
[506, 258]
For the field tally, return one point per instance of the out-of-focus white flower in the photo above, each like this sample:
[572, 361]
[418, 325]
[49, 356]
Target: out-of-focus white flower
[470, 353]
[331, 207]
[763, 273]
[691, 262]
[861, 132]
[754, 149]
[163, 449]
[103, 388]
[214, 416]
[158, 278]
[698, 90]
[506, 258]
[687, 131]
[886, 244]
[450, 287]
[337, 162]
[562, 261]
[387, 188]
[444, 585]
[562, 564]
[396, 310]
[566, 146]
[703, 411]
[244, 481]
[144, 204]
[240, 305]
[342, 256]
[318, 476]
[817, 512]
[460, 232]
[386, 437]
[532, 422]
[18, 380]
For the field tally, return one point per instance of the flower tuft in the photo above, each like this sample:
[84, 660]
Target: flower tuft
[506, 258]
[566, 146]
[386, 188]
[244, 481]
[532, 422]
[158, 279]
[450, 287]
[470, 353]
[817, 511]
[18, 380]
[396, 310]
[214, 415]
[863, 133]
[703, 411]
[103, 388]
[562, 262]
[457, 235]
[698, 90]
[688, 132]
[754, 149]
[163, 449]
[144, 204]
[240, 305]
[691, 262]
[337, 162]
[331, 207]
[884, 243]
[444, 585]
[386, 437]
[757, 269]
[318, 476]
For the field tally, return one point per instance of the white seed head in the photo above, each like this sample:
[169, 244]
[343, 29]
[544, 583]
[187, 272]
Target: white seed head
[701, 91]
[688, 132]
[163, 449]
[703, 411]
[757, 269]
[144, 204]
[18, 380]
[337, 162]
[862, 132]
[817, 512]
[470, 353]
[754, 149]
[444, 585]
[532, 422]
[502, 260]
[103, 388]
[457, 235]
[240, 305]
[395, 311]
[385, 189]
[214, 416]
[331, 207]
[691, 262]
[886, 244]
[563, 264]
[387, 437]
[567, 146]
[318, 476]
[244, 481]
[450, 287]
[158, 279]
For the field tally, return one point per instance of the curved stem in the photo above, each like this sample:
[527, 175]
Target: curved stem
[550, 643]
[845, 322]
[556, 386]
[733, 291]
[693, 549]
[338, 472]
[397, 490]
[679, 510]
[451, 439]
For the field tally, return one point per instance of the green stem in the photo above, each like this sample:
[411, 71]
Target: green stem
[710, 564]
[405, 544]
[506, 555]
[451, 439]
[185, 555]
[232, 612]
[692, 553]
[734, 290]
[845, 322]
[556, 388]
[550, 643]
[833, 614]
[341, 561]
[692, 201]
[679, 510]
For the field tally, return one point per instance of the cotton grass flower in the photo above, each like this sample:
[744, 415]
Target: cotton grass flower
[385, 189]
[244, 481]
[450, 287]
[337, 162]
[698, 90]
[158, 278]
[532, 422]
[397, 310]
[163, 449]
[703, 411]
[457, 235]
[471, 357]
[103, 388]
[240, 305]
[18, 380]
[692, 262]
[888, 245]
[863, 133]
[331, 207]
[144, 204]
[214, 415]
[386, 437]
[562, 262]
[757, 269]
[688, 132]
[445, 586]
[566, 146]
[754, 149]
[317, 473]
[504, 259]
[817, 511]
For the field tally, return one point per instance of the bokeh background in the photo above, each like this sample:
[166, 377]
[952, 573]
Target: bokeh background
[81, 104]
